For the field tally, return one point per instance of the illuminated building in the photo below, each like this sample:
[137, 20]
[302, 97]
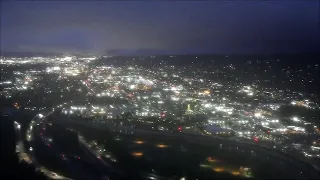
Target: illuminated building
[189, 107]
[139, 142]
[245, 171]
[162, 146]
[219, 167]
[137, 154]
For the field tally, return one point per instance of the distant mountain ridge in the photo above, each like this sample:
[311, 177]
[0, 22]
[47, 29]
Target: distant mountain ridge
[115, 52]
[157, 52]
[28, 54]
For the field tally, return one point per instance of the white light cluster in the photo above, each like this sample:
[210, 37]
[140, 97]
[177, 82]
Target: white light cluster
[5, 82]
[78, 108]
[295, 119]
[208, 105]
[67, 58]
[274, 107]
[175, 99]
[223, 109]
[258, 115]
[54, 69]
[274, 121]
[215, 122]
[296, 128]
[247, 132]
[248, 90]
[132, 87]
[245, 121]
[282, 129]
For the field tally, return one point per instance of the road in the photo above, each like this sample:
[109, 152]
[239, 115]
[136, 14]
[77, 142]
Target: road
[25, 154]
[74, 161]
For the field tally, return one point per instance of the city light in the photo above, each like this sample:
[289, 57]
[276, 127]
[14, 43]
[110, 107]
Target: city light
[127, 99]
[137, 154]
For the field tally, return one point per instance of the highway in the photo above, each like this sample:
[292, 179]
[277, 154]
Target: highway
[26, 153]
[73, 160]
[94, 156]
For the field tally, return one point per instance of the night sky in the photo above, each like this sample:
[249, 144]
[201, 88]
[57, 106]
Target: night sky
[260, 26]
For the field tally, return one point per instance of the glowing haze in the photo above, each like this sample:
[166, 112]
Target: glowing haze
[160, 27]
